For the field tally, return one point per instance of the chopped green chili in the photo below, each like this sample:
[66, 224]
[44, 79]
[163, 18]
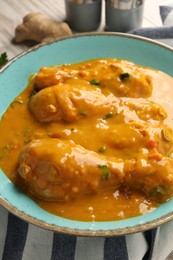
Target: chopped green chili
[35, 90]
[105, 172]
[95, 82]
[125, 76]
[102, 149]
[157, 191]
[109, 115]
[83, 112]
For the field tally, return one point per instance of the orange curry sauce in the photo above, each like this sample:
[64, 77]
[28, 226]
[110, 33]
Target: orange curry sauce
[106, 134]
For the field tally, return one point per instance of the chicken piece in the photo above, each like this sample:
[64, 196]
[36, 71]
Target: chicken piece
[146, 110]
[152, 176]
[63, 102]
[128, 82]
[133, 136]
[124, 79]
[69, 103]
[61, 170]
[50, 76]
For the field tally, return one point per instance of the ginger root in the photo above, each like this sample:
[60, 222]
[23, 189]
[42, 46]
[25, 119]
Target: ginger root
[39, 28]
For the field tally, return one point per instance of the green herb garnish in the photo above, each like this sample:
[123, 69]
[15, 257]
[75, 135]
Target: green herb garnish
[35, 90]
[95, 82]
[105, 172]
[73, 130]
[125, 76]
[3, 59]
[157, 191]
[109, 115]
[169, 155]
[83, 112]
[102, 149]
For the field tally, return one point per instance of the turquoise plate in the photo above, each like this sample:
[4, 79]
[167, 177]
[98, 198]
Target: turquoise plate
[13, 79]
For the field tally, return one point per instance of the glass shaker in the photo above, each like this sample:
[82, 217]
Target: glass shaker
[83, 15]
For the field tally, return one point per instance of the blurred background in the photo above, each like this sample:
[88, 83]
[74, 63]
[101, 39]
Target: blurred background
[13, 11]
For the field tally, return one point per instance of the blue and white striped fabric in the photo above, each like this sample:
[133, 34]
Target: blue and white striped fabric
[22, 241]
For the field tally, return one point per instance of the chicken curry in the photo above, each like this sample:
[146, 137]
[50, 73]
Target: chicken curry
[92, 141]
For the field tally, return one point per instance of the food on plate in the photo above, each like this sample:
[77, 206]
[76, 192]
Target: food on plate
[61, 170]
[118, 76]
[70, 103]
[97, 134]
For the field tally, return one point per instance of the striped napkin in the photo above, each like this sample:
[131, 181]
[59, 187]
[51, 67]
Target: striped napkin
[162, 34]
[20, 240]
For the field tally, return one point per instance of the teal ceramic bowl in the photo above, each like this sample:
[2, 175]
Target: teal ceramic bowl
[13, 79]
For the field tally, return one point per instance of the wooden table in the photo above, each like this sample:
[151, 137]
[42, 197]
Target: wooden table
[13, 11]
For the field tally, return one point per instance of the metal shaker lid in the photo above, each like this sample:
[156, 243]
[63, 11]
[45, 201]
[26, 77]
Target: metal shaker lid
[125, 4]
